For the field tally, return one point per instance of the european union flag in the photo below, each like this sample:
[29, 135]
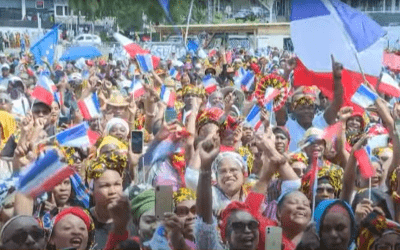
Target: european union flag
[45, 47]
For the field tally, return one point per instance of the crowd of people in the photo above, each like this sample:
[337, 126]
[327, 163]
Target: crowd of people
[232, 179]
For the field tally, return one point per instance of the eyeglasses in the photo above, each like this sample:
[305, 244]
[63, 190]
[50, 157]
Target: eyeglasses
[183, 211]
[20, 237]
[387, 247]
[241, 226]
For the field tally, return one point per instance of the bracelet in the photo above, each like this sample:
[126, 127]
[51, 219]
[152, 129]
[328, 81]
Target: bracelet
[396, 197]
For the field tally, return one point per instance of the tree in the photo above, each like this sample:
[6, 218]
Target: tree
[128, 13]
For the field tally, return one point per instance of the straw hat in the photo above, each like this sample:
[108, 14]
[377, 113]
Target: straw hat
[116, 100]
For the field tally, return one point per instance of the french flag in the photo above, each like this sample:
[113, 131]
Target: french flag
[247, 80]
[167, 96]
[210, 84]
[137, 89]
[270, 94]
[133, 48]
[389, 86]
[44, 90]
[175, 74]
[366, 169]
[145, 63]
[364, 97]
[37, 174]
[76, 136]
[90, 107]
[253, 118]
[351, 35]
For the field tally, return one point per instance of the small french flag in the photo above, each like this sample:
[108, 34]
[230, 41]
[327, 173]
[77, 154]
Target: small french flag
[137, 89]
[389, 86]
[253, 118]
[364, 97]
[175, 74]
[270, 94]
[76, 136]
[90, 107]
[247, 81]
[167, 96]
[34, 179]
[366, 169]
[44, 90]
[145, 63]
[210, 84]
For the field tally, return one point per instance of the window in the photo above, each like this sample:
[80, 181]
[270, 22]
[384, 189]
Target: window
[39, 4]
[88, 38]
[59, 10]
[66, 11]
[80, 38]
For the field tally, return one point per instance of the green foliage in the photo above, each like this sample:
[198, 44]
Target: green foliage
[128, 13]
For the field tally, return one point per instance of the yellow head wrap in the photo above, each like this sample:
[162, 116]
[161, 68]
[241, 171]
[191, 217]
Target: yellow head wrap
[112, 140]
[184, 194]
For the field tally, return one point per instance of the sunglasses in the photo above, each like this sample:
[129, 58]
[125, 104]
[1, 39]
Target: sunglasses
[20, 237]
[239, 226]
[182, 211]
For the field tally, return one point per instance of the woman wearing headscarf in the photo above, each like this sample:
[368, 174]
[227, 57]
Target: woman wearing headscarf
[8, 127]
[72, 228]
[105, 176]
[243, 226]
[334, 229]
[111, 144]
[378, 232]
[118, 128]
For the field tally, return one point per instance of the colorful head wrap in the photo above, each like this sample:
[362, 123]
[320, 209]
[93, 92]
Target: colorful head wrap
[372, 228]
[111, 140]
[332, 172]
[351, 136]
[211, 115]
[191, 89]
[143, 203]
[299, 157]
[232, 156]
[83, 215]
[115, 121]
[248, 157]
[304, 100]
[184, 194]
[113, 161]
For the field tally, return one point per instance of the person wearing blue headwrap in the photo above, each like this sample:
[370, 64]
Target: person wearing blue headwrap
[334, 227]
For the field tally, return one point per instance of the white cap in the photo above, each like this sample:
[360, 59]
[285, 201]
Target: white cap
[5, 65]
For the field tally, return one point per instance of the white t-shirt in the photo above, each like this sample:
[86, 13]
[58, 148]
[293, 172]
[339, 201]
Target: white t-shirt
[297, 132]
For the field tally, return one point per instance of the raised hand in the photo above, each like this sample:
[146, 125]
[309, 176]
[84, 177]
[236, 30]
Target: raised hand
[345, 113]
[119, 211]
[167, 129]
[336, 68]
[363, 209]
[361, 143]
[208, 150]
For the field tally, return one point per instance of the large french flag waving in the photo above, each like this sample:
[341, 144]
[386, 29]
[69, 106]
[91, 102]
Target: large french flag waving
[321, 28]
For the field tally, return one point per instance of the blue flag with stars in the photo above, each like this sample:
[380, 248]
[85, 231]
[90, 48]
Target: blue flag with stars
[45, 47]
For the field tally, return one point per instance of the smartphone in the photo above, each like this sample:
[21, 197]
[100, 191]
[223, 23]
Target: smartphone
[273, 238]
[170, 115]
[110, 56]
[137, 141]
[164, 201]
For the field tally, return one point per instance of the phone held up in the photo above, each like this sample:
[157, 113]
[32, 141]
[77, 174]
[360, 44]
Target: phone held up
[137, 141]
[164, 201]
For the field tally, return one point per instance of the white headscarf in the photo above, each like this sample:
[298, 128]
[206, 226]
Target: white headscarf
[115, 121]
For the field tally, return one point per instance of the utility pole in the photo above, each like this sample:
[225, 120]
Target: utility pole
[209, 11]
[188, 21]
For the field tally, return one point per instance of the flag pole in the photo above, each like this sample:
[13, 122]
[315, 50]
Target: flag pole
[188, 22]
[369, 189]
[314, 190]
[361, 69]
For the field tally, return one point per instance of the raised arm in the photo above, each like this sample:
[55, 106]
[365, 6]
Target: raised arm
[349, 176]
[333, 109]
[208, 152]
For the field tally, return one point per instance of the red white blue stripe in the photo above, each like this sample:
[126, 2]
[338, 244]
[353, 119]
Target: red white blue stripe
[76, 136]
[167, 96]
[210, 84]
[174, 73]
[137, 88]
[38, 172]
[90, 107]
[145, 63]
[364, 97]
[253, 118]
[351, 35]
[389, 86]
[44, 90]
[247, 80]
[270, 94]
